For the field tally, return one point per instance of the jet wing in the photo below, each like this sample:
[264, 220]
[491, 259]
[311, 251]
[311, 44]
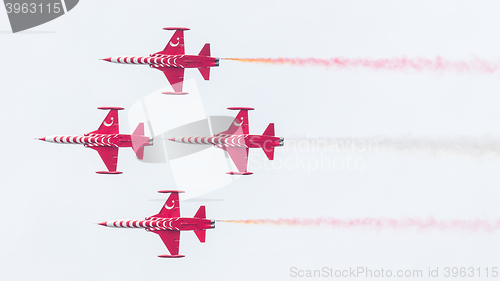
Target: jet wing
[109, 155]
[171, 208]
[239, 155]
[110, 123]
[175, 76]
[171, 239]
[240, 122]
[176, 44]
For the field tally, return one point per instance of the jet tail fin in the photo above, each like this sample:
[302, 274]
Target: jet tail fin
[269, 151]
[200, 214]
[201, 234]
[139, 141]
[205, 72]
[205, 51]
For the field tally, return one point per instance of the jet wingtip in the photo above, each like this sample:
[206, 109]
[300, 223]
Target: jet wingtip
[170, 191]
[109, 172]
[239, 173]
[175, 93]
[240, 108]
[175, 28]
[110, 108]
[171, 256]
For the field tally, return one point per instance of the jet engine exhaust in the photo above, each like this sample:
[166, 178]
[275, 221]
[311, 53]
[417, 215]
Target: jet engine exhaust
[430, 223]
[403, 63]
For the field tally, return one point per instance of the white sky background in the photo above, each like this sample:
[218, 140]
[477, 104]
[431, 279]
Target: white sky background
[52, 82]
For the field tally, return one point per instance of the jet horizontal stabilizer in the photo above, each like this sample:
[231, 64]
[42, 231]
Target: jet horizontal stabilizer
[269, 151]
[269, 130]
[201, 234]
[205, 72]
[205, 51]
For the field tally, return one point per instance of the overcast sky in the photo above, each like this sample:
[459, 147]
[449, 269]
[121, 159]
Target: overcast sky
[436, 135]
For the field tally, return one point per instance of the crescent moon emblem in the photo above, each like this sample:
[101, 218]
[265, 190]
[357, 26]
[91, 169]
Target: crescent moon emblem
[169, 207]
[168, 60]
[238, 124]
[175, 45]
[108, 124]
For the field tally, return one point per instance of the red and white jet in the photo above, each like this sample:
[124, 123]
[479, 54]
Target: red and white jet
[106, 140]
[172, 60]
[168, 223]
[236, 141]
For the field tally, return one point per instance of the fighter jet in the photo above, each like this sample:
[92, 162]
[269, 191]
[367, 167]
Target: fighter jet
[236, 141]
[168, 224]
[172, 60]
[106, 140]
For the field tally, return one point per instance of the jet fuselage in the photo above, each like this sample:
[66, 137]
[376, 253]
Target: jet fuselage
[245, 141]
[154, 223]
[161, 61]
[114, 140]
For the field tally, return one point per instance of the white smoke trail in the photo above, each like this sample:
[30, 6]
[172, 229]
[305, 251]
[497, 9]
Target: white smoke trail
[383, 223]
[462, 145]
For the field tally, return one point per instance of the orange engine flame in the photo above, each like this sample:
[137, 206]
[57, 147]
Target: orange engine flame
[393, 64]
[383, 223]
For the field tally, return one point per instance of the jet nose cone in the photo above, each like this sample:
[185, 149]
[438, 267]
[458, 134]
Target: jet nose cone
[103, 223]
[107, 59]
[42, 139]
[171, 139]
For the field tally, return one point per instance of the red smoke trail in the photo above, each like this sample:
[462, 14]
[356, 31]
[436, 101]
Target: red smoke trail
[384, 223]
[394, 64]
